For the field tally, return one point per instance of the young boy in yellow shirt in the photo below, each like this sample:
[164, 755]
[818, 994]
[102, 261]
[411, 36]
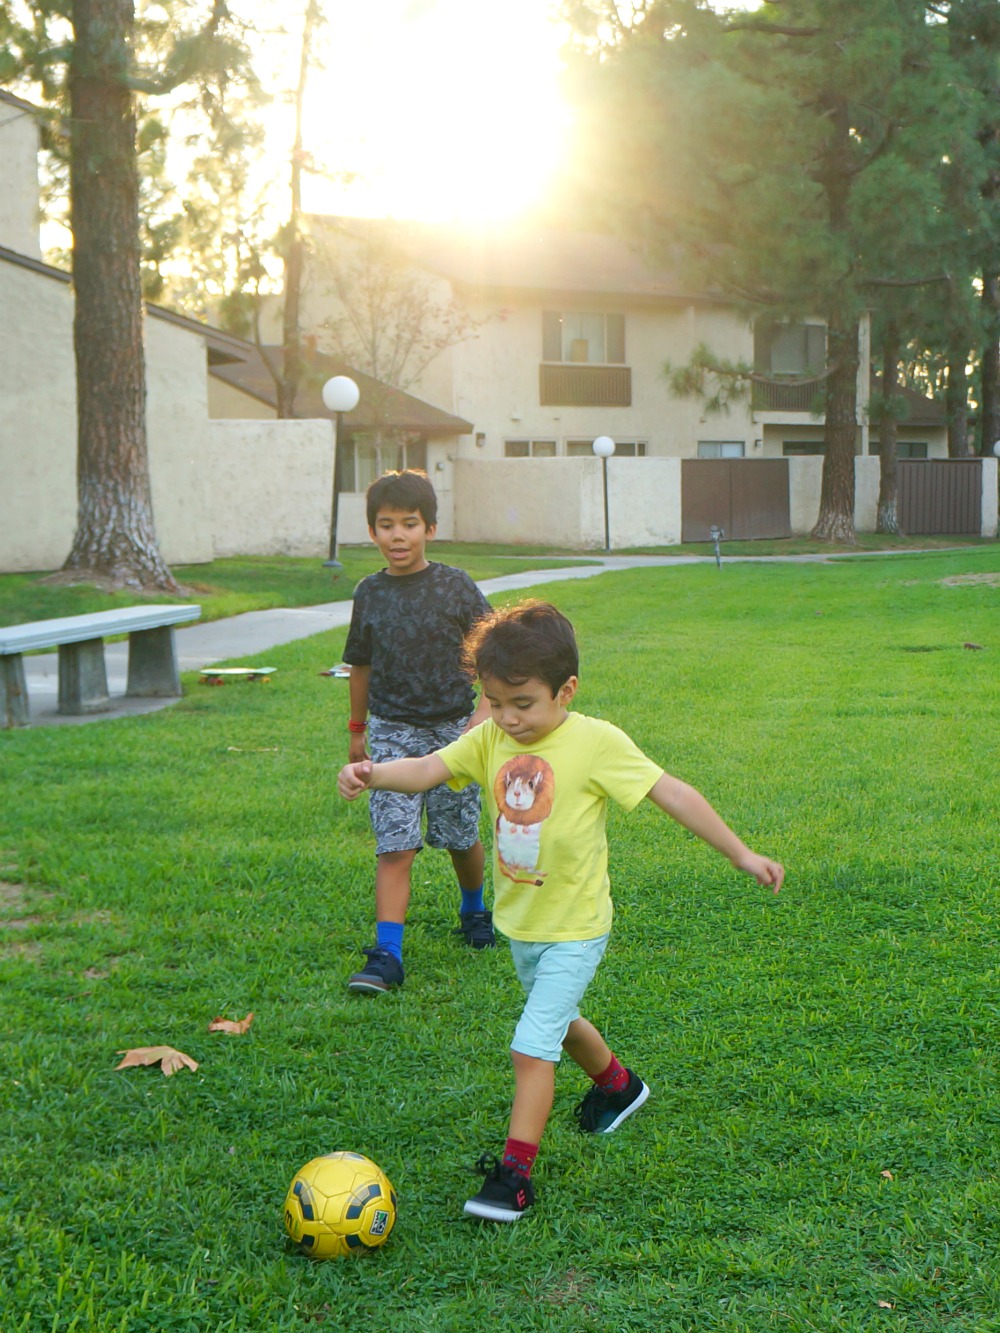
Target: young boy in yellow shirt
[548, 774]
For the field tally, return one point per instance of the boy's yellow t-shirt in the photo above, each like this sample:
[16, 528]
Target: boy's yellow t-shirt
[549, 806]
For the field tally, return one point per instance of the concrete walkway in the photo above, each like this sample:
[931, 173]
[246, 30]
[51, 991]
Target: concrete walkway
[255, 632]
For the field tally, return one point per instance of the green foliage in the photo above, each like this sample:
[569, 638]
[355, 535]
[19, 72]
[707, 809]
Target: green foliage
[818, 1149]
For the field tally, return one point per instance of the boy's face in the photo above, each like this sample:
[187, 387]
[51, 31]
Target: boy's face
[401, 535]
[527, 712]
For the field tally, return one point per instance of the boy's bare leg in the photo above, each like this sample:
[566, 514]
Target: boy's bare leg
[470, 866]
[392, 885]
[584, 1044]
[535, 1085]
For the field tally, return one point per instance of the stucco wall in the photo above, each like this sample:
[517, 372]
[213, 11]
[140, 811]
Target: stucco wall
[991, 467]
[38, 433]
[19, 173]
[560, 501]
[496, 379]
[271, 485]
[37, 421]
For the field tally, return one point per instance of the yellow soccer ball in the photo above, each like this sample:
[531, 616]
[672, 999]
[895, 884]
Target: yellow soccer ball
[339, 1204]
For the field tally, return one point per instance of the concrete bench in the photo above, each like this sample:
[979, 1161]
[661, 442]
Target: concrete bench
[83, 680]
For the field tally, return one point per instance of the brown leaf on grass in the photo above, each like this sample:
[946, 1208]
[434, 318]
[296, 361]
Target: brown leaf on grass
[166, 1057]
[237, 1026]
[885, 1305]
[888, 1175]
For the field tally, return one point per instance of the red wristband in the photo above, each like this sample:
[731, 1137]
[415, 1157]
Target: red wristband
[357, 728]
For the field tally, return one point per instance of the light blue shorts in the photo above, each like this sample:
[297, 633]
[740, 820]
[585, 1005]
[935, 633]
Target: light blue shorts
[554, 977]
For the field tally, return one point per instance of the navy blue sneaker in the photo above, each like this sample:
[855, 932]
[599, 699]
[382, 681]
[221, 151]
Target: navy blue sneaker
[601, 1112]
[505, 1196]
[382, 972]
[477, 927]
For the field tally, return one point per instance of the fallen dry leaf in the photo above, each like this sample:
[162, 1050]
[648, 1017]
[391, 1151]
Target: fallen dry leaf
[888, 1175]
[235, 1025]
[885, 1305]
[166, 1057]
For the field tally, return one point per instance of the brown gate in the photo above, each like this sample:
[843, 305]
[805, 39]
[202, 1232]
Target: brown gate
[746, 497]
[940, 495]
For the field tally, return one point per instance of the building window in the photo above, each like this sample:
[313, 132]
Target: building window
[363, 460]
[789, 349]
[904, 449]
[578, 337]
[803, 448]
[721, 448]
[529, 448]
[623, 448]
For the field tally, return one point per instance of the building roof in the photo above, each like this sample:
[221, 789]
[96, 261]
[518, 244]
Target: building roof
[540, 260]
[378, 404]
[920, 411]
[19, 102]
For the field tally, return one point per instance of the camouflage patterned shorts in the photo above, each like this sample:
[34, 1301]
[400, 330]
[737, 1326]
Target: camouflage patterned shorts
[452, 816]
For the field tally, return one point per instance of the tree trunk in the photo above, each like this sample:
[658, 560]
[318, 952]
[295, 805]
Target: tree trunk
[990, 396]
[291, 373]
[836, 502]
[115, 536]
[886, 519]
[956, 399]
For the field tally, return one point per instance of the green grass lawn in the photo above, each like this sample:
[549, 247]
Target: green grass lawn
[820, 1148]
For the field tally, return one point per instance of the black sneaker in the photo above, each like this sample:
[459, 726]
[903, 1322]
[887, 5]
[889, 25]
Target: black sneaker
[477, 927]
[382, 972]
[506, 1194]
[601, 1112]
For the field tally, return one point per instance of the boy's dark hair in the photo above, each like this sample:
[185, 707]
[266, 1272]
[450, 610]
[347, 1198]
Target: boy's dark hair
[402, 490]
[531, 639]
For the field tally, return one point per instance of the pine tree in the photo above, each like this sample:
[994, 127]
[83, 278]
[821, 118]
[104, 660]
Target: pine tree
[768, 154]
[83, 55]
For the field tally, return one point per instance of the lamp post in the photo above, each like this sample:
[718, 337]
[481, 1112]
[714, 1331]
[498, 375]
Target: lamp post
[340, 395]
[604, 447]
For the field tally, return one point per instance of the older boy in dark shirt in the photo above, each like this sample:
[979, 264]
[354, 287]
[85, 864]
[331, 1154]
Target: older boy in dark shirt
[404, 647]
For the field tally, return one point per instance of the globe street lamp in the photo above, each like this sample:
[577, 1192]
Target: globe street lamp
[604, 447]
[340, 395]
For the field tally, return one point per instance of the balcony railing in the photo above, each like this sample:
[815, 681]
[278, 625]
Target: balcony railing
[790, 397]
[584, 386]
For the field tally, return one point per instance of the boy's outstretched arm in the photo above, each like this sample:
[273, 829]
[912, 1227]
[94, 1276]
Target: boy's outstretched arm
[683, 803]
[410, 775]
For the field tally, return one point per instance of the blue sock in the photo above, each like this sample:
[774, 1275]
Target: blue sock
[389, 935]
[472, 900]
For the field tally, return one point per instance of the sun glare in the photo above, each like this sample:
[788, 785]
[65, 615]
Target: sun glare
[445, 109]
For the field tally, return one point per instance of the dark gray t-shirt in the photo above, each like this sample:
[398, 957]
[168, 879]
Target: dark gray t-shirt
[409, 629]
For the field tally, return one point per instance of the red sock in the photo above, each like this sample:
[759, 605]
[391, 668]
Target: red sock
[520, 1156]
[614, 1078]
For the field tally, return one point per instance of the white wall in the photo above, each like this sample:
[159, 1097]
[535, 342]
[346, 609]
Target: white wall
[496, 379]
[19, 174]
[271, 485]
[560, 501]
[38, 430]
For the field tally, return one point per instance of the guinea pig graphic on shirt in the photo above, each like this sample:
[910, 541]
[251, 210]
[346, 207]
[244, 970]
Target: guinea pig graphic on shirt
[523, 791]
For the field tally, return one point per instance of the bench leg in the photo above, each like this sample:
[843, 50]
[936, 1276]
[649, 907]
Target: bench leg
[13, 692]
[152, 664]
[83, 679]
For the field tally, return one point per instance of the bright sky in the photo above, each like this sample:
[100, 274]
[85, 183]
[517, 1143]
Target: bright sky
[446, 108]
